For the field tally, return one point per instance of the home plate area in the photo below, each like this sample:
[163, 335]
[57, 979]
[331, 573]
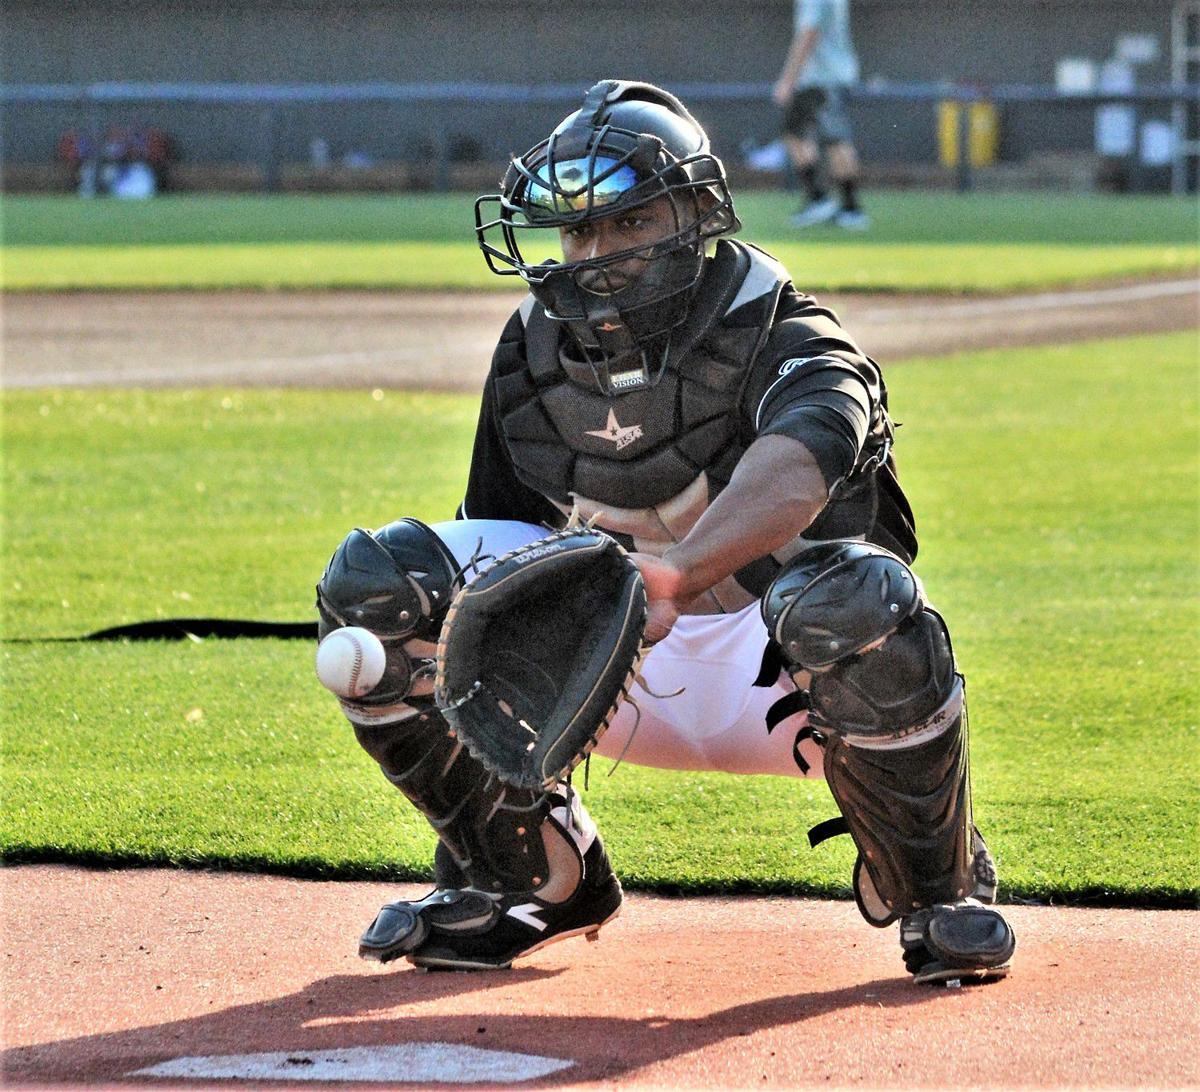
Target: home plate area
[421, 1063]
[165, 978]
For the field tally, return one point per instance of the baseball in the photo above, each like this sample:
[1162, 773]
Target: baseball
[350, 661]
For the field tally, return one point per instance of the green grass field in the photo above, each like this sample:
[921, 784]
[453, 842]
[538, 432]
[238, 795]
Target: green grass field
[1058, 495]
[936, 242]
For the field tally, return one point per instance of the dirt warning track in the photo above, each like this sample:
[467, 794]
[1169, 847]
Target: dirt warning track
[444, 341]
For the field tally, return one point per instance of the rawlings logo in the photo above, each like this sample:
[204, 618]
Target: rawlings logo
[791, 365]
[621, 435]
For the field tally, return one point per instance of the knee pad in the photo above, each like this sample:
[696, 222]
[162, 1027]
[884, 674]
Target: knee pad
[853, 615]
[838, 599]
[397, 582]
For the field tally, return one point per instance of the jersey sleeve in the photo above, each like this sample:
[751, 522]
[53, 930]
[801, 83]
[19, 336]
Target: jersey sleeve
[814, 384]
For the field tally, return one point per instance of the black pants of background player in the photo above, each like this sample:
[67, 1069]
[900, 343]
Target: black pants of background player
[816, 126]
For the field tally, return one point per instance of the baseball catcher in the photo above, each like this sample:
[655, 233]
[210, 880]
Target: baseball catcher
[717, 454]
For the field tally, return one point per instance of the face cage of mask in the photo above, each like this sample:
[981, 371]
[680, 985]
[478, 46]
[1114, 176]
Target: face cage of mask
[514, 217]
[619, 320]
[624, 337]
[643, 293]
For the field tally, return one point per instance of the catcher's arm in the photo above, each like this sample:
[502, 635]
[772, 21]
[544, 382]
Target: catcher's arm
[776, 491]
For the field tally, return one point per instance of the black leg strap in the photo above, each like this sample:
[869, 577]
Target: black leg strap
[789, 705]
[830, 828]
[772, 665]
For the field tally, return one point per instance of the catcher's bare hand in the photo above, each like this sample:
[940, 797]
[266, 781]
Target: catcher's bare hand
[664, 594]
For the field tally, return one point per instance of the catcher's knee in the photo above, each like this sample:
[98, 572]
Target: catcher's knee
[398, 583]
[836, 600]
[853, 616]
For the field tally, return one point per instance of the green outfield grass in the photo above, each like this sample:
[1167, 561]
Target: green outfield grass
[1057, 490]
[938, 242]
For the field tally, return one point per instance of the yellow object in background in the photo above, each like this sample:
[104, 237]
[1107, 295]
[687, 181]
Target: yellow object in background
[983, 133]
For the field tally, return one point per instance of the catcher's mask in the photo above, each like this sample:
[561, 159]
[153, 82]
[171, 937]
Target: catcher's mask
[629, 144]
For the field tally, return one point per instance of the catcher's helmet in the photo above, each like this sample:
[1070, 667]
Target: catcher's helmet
[630, 143]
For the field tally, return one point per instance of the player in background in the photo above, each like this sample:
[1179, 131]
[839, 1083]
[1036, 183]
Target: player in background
[821, 63]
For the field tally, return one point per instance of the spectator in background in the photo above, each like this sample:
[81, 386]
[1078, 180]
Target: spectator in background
[160, 153]
[123, 168]
[820, 64]
[131, 162]
[77, 149]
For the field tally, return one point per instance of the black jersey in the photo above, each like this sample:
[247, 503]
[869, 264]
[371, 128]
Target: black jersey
[758, 358]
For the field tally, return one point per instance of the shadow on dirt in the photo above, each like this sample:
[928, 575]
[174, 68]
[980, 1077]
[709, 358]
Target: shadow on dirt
[355, 1010]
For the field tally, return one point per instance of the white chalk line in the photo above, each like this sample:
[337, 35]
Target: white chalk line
[234, 370]
[1039, 301]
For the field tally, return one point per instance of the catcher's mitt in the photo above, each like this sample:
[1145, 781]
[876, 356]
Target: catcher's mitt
[537, 652]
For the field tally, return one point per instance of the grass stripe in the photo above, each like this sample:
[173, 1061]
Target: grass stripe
[1060, 514]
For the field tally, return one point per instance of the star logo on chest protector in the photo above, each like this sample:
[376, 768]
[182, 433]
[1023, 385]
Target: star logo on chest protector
[621, 435]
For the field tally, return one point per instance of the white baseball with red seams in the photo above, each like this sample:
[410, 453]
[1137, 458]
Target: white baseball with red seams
[350, 661]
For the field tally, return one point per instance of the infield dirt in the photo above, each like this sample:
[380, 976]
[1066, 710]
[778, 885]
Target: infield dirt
[108, 972]
[444, 341]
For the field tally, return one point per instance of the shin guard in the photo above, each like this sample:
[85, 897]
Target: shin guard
[896, 761]
[889, 708]
[398, 582]
[489, 832]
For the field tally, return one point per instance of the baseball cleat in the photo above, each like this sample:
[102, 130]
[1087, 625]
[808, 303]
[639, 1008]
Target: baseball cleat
[958, 942]
[401, 927]
[522, 923]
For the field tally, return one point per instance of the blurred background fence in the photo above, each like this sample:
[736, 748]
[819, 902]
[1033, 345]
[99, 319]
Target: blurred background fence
[395, 94]
[442, 136]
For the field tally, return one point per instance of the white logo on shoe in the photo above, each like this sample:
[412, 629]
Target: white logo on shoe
[527, 913]
[621, 435]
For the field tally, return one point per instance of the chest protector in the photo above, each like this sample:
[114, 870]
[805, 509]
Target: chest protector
[638, 449]
[651, 460]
